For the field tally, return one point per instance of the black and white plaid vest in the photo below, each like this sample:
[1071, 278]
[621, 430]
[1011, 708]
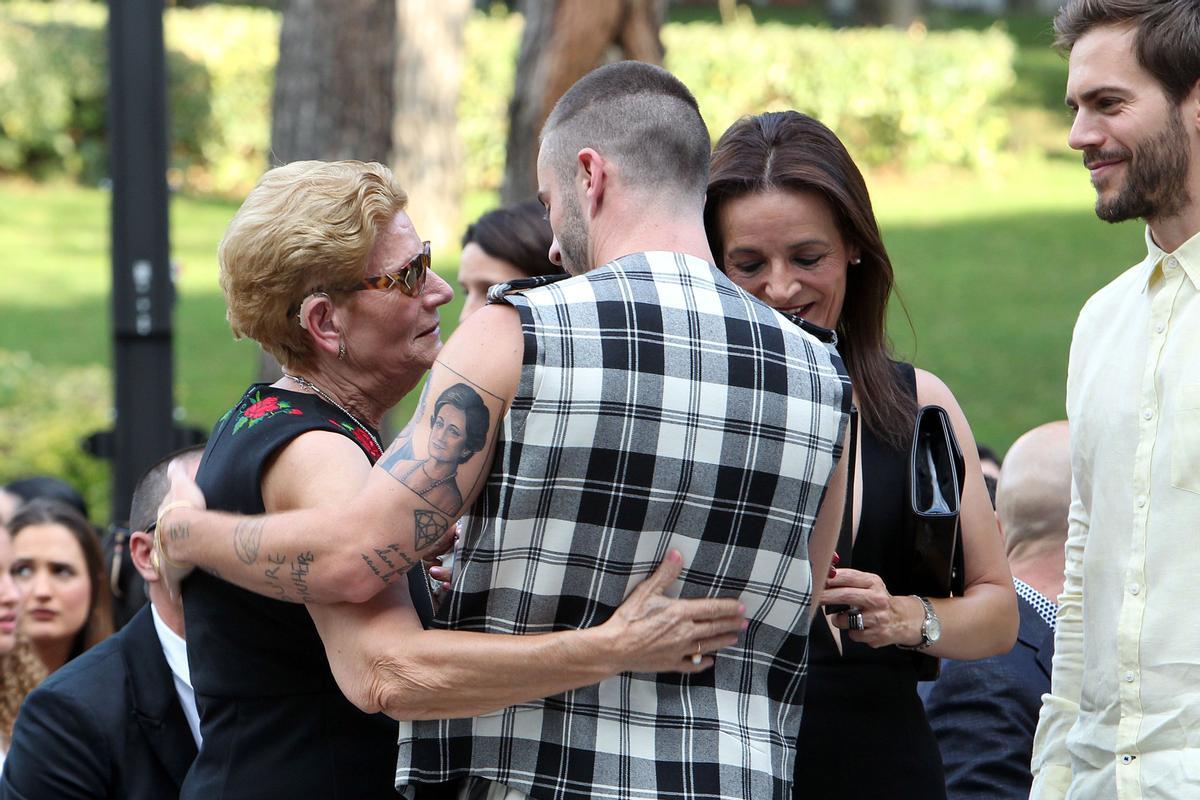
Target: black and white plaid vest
[659, 407]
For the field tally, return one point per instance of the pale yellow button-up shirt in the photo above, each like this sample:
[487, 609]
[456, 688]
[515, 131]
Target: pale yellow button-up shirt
[1122, 719]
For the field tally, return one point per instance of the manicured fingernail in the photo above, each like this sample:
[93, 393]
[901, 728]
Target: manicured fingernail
[742, 608]
[745, 624]
[836, 559]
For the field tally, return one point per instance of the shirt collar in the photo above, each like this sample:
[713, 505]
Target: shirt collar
[1187, 255]
[1044, 606]
[173, 647]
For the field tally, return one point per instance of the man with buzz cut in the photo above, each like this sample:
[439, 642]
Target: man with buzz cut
[1123, 713]
[641, 407]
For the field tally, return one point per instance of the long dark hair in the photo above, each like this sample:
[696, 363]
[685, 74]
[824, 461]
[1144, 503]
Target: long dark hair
[789, 150]
[98, 624]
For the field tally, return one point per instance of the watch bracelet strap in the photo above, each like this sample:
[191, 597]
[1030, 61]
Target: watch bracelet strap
[926, 643]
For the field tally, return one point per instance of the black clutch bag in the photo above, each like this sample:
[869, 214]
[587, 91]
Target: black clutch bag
[933, 536]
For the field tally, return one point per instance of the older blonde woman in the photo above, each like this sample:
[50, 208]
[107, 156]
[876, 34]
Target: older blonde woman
[322, 266]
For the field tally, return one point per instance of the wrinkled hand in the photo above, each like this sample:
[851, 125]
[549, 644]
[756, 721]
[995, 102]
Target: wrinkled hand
[182, 493]
[655, 633]
[887, 619]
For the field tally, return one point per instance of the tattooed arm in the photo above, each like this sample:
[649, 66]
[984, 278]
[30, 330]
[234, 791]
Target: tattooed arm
[360, 544]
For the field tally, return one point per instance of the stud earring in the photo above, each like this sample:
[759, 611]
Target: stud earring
[856, 260]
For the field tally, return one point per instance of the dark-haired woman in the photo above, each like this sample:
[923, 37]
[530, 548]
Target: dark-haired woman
[790, 221]
[501, 246]
[60, 569]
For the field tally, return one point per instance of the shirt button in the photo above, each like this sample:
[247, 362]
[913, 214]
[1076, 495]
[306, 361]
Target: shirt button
[1141, 501]
[1148, 413]
[1126, 759]
[1130, 677]
[1171, 264]
[1159, 328]
[1134, 589]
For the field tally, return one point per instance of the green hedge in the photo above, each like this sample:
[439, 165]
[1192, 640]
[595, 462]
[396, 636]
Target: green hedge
[895, 97]
[53, 75]
[44, 414]
[892, 96]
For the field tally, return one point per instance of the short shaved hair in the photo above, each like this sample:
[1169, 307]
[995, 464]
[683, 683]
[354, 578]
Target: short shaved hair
[637, 115]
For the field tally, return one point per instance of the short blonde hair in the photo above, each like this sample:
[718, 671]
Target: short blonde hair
[307, 226]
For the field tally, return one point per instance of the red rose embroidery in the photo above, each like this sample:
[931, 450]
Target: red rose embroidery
[261, 408]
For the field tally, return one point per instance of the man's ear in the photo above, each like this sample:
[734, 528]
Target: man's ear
[593, 178]
[141, 545]
[319, 318]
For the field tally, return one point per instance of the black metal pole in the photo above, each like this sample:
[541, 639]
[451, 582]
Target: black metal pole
[143, 291]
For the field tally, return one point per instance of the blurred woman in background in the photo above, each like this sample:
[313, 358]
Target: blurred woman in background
[60, 570]
[20, 669]
[501, 246]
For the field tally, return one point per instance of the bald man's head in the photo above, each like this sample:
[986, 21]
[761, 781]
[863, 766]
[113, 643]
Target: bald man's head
[1034, 491]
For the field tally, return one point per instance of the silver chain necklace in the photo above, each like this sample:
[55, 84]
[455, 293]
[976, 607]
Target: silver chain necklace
[307, 384]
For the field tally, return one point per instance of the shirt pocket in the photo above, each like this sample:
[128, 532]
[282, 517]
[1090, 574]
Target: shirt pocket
[1185, 440]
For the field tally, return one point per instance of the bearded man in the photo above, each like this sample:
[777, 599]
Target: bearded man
[1124, 705]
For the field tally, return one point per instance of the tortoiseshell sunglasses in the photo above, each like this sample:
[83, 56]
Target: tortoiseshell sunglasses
[409, 279]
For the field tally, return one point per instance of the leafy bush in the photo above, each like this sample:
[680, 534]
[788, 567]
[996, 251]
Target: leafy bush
[44, 414]
[905, 97]
[895, 97]
[53, 80]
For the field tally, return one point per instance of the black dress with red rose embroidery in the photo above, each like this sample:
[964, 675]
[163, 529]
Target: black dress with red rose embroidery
[273, 722]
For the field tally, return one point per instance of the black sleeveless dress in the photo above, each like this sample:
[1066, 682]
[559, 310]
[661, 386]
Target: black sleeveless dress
[273, 721]
[864, 733]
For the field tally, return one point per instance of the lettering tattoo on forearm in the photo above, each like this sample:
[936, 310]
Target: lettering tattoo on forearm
[247, 538]
[272, 574]
[388, 562]
[177, 531]
[301, 565]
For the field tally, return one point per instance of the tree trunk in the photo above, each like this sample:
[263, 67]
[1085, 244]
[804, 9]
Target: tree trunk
[428, 155]
[562, 42]
[333, 89]
[333, 82]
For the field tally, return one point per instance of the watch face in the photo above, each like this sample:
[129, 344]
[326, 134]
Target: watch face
[933, 630]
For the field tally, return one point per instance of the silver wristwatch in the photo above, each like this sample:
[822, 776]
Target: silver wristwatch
[931, 627]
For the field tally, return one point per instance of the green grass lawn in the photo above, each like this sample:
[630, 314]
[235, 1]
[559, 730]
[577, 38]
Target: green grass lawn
[992, 269]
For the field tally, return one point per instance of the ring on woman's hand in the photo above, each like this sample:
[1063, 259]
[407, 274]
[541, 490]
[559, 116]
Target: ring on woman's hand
[857, 623]
[697, 657]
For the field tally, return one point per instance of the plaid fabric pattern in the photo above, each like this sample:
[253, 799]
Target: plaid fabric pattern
[659, 406]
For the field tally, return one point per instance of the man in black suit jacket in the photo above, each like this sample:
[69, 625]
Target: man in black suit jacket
[985, 712]
[111, 722]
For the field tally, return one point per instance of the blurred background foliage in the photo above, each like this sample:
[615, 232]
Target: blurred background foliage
[958, 122]
[896, 97]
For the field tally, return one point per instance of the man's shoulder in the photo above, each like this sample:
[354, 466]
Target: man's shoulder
[1113, 296]
[94, 678]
